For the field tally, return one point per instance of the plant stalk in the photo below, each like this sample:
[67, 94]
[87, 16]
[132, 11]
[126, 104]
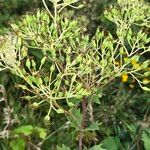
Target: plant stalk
[84, 108]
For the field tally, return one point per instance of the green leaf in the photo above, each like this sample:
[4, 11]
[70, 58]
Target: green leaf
[75, 118]
[63, 147]
[42, 134]
[94, 126]
[41, 131]
[26, 130]
[96, 99]
[17, 144]
[146, 141]
[97, 147]
[111, 143]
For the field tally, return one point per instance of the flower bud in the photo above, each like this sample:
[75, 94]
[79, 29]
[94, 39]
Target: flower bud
[35, 105]
[79, 58]
[52, 68]
[47, 120]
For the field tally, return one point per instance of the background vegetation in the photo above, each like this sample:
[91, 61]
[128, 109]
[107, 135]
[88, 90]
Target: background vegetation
[122, 112]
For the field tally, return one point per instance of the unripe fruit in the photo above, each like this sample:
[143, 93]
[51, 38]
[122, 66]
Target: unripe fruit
[47, 120]
[35, 105]
[79, 58]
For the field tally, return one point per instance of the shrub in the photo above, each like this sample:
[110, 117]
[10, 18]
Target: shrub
[64, 68]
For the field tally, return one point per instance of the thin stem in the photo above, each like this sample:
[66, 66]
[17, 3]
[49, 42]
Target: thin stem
[34, 146]
[53, 133]
[48, 9]
[84, 109]
[55, 14]
[147, 112]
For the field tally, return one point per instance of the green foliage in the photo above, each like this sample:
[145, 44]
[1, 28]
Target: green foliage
[71, 65]
[111, 143]
[59, 67]
[63, 147]
[12, 9]
[97, 147]
[75, 118]
[17, 144]
[29, 129]
[93, 126]
[146, 140]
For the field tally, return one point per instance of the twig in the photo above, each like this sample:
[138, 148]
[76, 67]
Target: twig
[34, 146]
[53, 133]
